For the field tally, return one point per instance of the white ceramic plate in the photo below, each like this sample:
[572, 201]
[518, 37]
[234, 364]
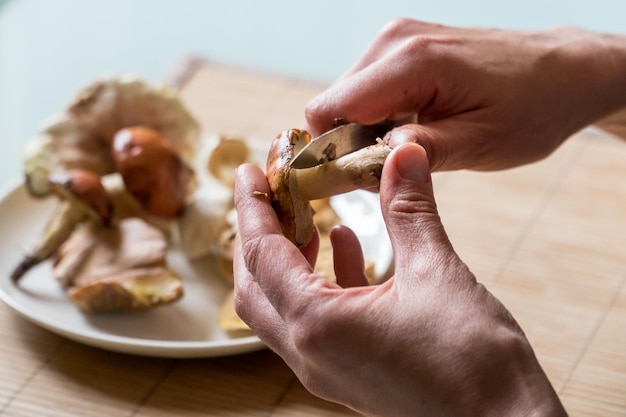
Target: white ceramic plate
[187, 328]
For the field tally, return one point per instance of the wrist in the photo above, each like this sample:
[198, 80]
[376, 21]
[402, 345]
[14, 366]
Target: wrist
[523, 388]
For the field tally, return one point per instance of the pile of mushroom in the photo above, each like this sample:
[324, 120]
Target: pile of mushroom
[119, 161]
[132, 179]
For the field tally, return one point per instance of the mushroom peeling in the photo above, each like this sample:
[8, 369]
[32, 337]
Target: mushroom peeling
[292, 189]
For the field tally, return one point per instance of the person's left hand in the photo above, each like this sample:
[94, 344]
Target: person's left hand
[431, 340]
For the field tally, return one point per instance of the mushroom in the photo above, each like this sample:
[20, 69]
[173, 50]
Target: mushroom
[77, 156]
[81, 135]
[152, 170]
[82, 197]
[292, 189]
[223, 161]
[203, 222]
[118, 268]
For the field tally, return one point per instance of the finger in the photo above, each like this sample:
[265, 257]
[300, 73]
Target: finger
[391, 37]
[253, 307]
[348, 258]
[255, 310]
[391, 80]
[377, 92]
[451, 144]
[281, 270]
[410, 212]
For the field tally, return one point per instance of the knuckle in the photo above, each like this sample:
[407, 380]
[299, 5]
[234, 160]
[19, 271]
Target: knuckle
[422, 47]
[314, 111]
[417, 215]
[250, 249]
[418, 38]
[408, 203]
[320, 113]
[257, 249]
[398, 28]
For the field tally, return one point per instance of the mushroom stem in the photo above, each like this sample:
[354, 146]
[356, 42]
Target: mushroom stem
[82, 198]
[58, 230]
[357, 170]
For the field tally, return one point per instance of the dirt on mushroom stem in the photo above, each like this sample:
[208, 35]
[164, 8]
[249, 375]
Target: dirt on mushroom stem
[357, 170]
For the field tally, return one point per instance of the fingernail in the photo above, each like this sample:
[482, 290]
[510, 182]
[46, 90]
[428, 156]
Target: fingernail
[412, 163]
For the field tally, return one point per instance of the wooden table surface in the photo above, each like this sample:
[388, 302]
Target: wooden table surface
[548, 239]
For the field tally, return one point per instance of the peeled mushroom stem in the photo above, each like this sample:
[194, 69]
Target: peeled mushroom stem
[292, 189]
[355, 171]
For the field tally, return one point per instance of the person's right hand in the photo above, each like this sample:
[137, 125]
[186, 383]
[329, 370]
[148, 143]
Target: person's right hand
[487, 99]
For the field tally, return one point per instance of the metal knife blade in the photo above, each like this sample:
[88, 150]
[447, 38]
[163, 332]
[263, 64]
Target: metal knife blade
[338, 142]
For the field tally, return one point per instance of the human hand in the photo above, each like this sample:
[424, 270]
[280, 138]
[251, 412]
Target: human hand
[430, 341]
[487, 99]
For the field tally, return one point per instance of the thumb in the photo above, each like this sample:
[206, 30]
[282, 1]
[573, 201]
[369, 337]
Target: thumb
[446, 147]
[427, 138]
[410, 212]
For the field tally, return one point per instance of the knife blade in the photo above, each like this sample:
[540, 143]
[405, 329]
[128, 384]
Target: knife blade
[338, 142]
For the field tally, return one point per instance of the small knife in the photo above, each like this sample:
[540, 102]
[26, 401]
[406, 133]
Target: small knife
[340, 141]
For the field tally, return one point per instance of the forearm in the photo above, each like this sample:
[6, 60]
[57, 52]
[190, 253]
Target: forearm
[598, 63]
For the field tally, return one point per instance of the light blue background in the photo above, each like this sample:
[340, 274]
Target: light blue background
[48, 48]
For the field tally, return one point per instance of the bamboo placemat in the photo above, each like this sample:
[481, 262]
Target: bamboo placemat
[548, 239]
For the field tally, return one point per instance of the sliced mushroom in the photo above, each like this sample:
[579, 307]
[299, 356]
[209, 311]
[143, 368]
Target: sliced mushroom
[119, 268]
[292, 189]
[82, 197]
[153, 171]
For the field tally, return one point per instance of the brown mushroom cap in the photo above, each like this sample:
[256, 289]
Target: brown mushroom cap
[294, 213]
[84, 189]
[80, 136]
[152, 170]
